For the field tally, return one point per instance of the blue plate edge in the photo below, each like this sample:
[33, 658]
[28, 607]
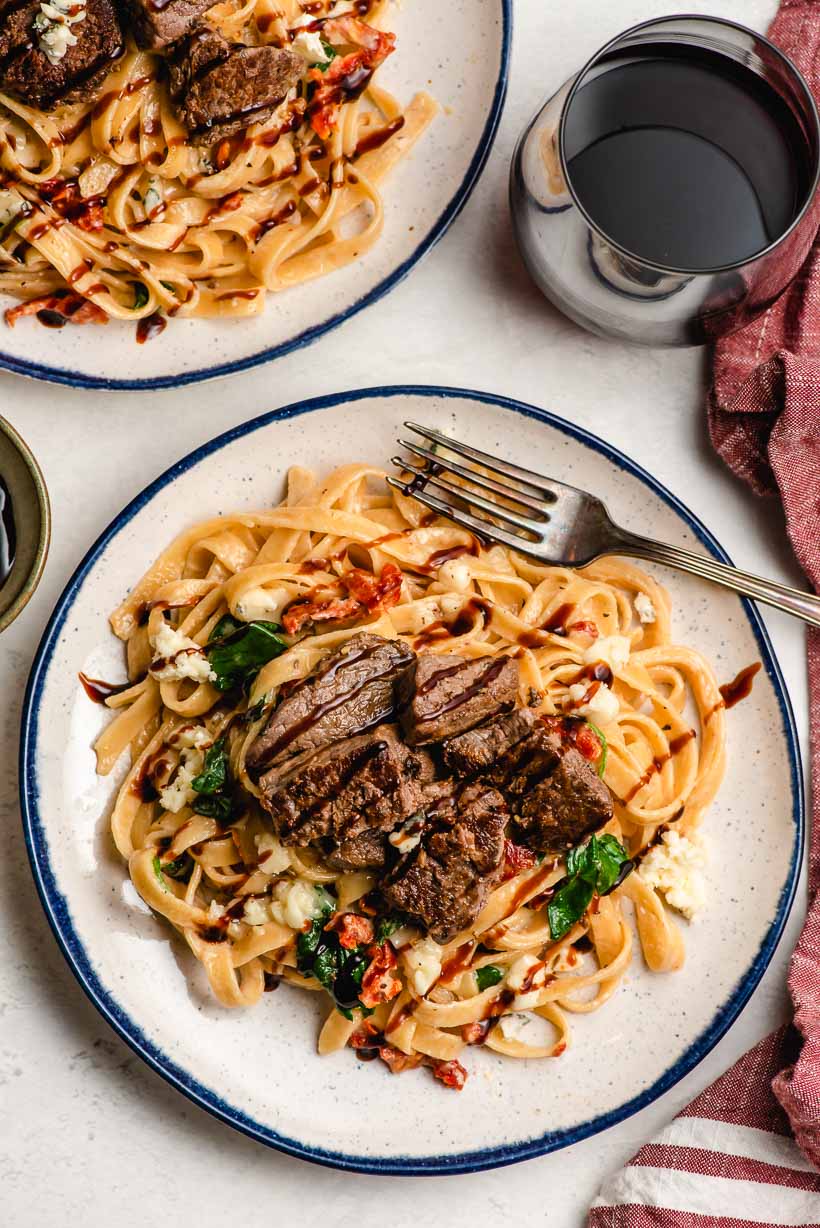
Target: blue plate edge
[58, 916]
[76, 379]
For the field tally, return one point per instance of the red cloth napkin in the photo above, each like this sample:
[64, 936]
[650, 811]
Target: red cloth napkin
[747, 1151]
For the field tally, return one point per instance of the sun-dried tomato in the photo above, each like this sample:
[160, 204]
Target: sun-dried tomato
[588, 743]
[71, 307]
[378, 983]
[353, 931]
[347, 75]
[398, 1061]
[65, 198]
[452, 1074]
[476, 1033]
[374, 592]
[308, 610]
[362, 1038]
[584, 627]
[517, 858]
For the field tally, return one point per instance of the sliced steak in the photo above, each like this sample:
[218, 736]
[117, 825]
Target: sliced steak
[447, 694]
[475, 752]
[352, 690]
[527, 763]
[444, 882]
[368, 851]
[220, 88]
[156, 23]
[371, 781]
[564, 807]
[27, 72]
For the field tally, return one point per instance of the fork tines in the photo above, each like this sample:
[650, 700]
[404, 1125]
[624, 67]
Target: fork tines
[481, 472]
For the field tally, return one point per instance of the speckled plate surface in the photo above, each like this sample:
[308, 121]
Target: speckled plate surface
[459, 52]
[258, 1070]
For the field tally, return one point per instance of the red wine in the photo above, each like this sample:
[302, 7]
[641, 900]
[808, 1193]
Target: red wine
[685, 157]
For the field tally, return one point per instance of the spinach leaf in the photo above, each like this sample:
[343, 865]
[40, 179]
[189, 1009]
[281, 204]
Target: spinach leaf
[601, 736]
[330, 56]
[237, 651]
[568, 904]
[319, 953]
[385, 926]
[155, 862]
[179, 869]
[219, 807]
[594, 868]
[214, 775]
[487, 976]
[140, 295]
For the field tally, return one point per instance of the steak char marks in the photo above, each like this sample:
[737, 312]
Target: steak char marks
[446, 695]
[352, 690]
[28, 73]
[378, 738]
[219, 88]
[445, 881]
[155, 25]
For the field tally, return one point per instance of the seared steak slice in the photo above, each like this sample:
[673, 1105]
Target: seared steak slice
[565, 807]
[369, 781]
[444, 882]
[447, 694]
[353, 689]
[220, 88]
[475, 752]
[156, 24]
[364, 852]
[27, 72]
[527, 762]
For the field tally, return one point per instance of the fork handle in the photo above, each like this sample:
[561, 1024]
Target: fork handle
[781, 596]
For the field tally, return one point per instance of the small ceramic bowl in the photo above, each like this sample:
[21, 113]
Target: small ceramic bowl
[31, 517]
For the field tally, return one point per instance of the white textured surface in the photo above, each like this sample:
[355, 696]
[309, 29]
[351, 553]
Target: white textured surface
[87, 1132]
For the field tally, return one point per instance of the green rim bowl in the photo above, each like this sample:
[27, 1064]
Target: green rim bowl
[32, 522]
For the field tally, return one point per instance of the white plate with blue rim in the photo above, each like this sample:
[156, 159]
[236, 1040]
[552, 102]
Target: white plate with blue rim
[458, 52]
[258, 1070]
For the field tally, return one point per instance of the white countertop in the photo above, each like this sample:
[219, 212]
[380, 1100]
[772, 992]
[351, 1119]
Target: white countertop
[89, 1135]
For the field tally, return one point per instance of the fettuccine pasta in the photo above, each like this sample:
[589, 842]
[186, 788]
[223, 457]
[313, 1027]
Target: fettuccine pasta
[233, 890]
[111, 209]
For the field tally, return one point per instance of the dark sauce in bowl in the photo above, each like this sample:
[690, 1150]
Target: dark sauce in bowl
[8, 533]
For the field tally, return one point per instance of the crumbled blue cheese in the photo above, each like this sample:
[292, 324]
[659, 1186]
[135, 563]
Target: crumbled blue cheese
[409, 835]
[613, 650]
[215, 911]
[511, 1026]
[262, 604]
[644, 608]
[297, 902]
[256, 912]
[52, 25]
[602, 707]
[423, 964]
[153, 199]
[527, 970]
[180, 792]
[177, 656]
[308, 44]
[190, 737]
[675, 868]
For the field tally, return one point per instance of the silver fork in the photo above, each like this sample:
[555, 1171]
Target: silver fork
[554, 523]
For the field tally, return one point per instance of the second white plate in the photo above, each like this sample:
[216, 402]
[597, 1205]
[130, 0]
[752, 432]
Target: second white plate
[459, 52]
